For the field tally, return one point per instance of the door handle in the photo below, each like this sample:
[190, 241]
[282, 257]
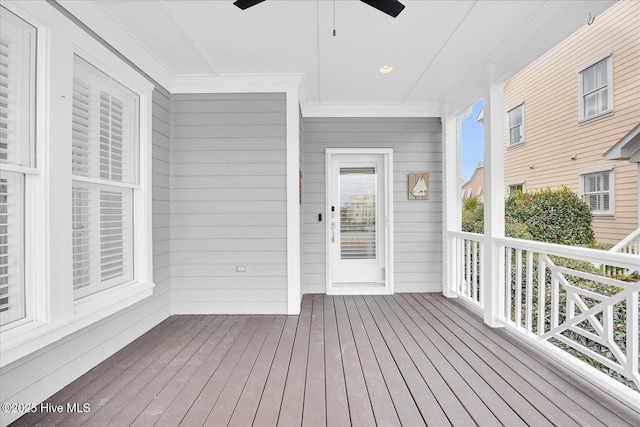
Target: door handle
[333, 232]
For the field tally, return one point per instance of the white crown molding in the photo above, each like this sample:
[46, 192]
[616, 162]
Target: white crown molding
[383, 109]
[99, 20]
[207, 83]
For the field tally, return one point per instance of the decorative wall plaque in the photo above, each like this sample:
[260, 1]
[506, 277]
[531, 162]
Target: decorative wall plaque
[419, 186]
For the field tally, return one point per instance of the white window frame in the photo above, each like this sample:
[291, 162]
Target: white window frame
[52, 312]
[581, 116]
[521, 141]
[29, 191]
[511, 185]
[600, 169]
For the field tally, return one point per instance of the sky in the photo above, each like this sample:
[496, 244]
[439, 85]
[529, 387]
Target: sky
[472, 142]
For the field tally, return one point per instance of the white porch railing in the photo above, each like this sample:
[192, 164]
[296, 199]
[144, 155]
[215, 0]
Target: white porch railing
[553, 295]
[468, 282]
[628, 245]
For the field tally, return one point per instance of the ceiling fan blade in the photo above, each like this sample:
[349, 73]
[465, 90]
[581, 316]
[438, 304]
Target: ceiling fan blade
[245, 4]
[390, 7]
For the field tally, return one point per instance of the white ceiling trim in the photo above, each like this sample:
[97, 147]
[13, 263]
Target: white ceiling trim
[236, 84]
[428, 109]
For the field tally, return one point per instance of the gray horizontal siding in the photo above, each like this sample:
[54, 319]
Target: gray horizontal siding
[161, 179]
[417, 147]
[229, 203]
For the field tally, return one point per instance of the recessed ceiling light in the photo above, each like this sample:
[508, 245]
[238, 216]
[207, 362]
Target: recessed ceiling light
[385, 69]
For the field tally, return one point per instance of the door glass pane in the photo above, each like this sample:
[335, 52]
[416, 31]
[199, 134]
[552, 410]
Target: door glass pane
[358, 191]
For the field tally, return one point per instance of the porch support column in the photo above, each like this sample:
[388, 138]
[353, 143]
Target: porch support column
[294, 283]
[493, 262]
[451, 215]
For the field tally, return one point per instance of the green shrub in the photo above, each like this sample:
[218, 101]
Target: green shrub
[473, 215]
[555, 216]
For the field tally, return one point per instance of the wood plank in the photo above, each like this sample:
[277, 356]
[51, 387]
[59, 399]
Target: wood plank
[202, 405]
[487, 394]
[119, 360]
[175, 412]
[293, 397]
[125, 387]
[247, 405]
[360, 409]
[125, 413]
[157, 374]
[558, 384]
[314, 407]
[462, 390]
[102, 387]
[365, 360]
[337, 403]
[408, 406]
[271, 400]
[500, 379]
[422, 366]
[381, 402]
[223, 409]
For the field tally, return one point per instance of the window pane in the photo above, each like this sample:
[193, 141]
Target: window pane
[105, 126]
[112, 234]
[515, 116]
[17, 90]
[102, 237]
[596, 191]
[82, 239]
[358, 213]
[600, 71]
[588, 80]
[595, 90]
[12, 305]
[591, 105]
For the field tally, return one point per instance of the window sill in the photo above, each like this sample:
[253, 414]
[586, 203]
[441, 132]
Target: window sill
[32, 336]
[602, 215]
[596, 117]
[519, 144]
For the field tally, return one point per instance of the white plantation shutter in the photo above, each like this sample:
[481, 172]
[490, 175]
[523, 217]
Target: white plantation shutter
[113, 234]
[597, 191]
[12, 298]
[104, 146]
[17, 94]
[82, 241]
[80, 128]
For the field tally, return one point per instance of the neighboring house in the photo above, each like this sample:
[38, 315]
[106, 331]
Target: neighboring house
[571, 106]
[474, 186]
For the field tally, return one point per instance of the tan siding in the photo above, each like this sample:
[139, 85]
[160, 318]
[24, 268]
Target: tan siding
[549, 89]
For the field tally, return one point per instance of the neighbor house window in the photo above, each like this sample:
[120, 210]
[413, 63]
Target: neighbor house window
[596, 189]
[516, 125]
[105, 177]
[596, 89]
[17, 157]
[515, 187]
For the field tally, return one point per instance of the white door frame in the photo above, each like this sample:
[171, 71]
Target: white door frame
[387, 154]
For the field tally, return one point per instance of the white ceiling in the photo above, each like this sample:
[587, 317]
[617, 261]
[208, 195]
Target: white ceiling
[438, 49]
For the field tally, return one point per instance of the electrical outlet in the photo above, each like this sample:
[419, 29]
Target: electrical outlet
[241, 269]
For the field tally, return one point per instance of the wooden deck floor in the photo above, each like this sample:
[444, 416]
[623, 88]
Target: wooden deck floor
[411, 360]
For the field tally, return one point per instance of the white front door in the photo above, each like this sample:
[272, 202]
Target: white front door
[358, 214]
